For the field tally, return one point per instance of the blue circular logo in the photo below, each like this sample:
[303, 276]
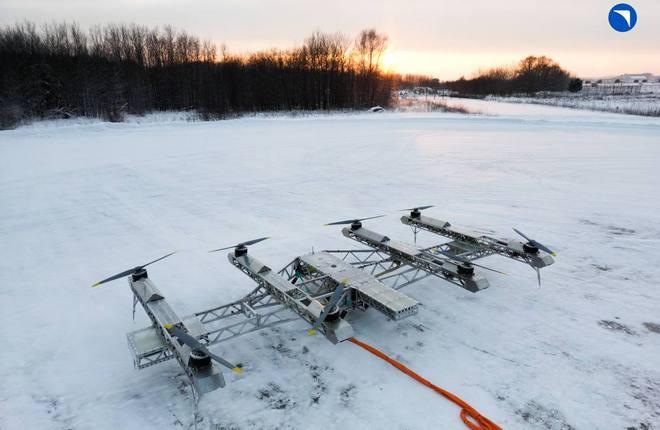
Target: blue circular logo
[622, 17]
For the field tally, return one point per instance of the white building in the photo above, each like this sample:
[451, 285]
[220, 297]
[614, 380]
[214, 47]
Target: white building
[623, 84]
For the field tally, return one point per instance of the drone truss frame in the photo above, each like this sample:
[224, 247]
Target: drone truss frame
[320, 288]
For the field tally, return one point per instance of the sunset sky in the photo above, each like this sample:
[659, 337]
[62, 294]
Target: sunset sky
[446, 39]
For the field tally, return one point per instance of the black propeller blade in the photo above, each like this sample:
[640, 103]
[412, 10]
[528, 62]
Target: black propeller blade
[419, 208]
[466, 261]
[336, 295]
[249, 242]
[351, 221]
[196, 345]
[534, 243]
[136, 269]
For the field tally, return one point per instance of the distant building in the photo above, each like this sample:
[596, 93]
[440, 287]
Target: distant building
[612, 88]
[623, 85]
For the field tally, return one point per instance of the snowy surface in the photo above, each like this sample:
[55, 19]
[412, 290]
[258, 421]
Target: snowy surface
[81, 202]
[647, 103]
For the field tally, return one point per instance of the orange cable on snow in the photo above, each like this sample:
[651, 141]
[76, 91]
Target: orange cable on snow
[472, 419]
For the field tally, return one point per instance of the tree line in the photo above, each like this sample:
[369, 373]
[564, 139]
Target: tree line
[411, 81]
[530, 75]
[59, 70]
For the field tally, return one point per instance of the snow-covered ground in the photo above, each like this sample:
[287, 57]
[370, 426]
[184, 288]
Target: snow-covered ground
[81, 202]
[647, 104]
[641, 104]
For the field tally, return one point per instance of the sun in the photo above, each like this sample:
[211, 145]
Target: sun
[388, 61]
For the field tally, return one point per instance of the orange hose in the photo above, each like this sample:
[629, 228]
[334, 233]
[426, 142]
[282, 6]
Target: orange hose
[472, 419]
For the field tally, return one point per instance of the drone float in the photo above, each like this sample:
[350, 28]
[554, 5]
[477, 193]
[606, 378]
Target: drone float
[320, 288]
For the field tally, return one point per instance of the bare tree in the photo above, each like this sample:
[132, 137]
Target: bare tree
[369, 49]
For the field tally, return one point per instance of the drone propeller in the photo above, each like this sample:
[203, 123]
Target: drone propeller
[195, 345]
[242, 244]
[336, 295]
[418, 208]
[468, 262]
[534, 243]
[132, 271]
[351, 221]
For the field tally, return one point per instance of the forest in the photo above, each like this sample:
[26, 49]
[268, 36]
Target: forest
[59, 71]
[530, 75]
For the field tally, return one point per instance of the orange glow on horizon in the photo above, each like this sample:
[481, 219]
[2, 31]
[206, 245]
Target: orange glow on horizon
[453, 65]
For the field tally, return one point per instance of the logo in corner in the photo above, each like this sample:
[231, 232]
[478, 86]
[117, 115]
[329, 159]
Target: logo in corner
[622, 17]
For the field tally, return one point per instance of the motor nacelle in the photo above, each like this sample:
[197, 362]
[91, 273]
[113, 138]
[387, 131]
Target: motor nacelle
[532, 254]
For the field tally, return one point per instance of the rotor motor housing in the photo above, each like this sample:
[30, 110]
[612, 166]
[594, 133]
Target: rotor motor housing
[199, 360]
[465, 269]
[530, 249]
[240, 250]
[356, 225]
[140, 274]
